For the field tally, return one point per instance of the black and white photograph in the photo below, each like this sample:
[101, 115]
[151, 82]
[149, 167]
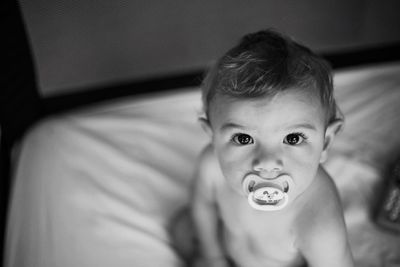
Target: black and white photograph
[200, 133]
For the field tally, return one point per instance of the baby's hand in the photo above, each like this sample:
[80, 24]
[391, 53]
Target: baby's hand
[215, 262]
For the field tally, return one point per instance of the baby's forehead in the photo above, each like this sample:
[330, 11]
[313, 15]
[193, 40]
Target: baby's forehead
[288, 107]
[308, 96]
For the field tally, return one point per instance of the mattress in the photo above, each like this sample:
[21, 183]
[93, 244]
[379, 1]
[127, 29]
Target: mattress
[99, 186]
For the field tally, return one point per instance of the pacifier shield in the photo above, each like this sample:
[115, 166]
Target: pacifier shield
[267, 195]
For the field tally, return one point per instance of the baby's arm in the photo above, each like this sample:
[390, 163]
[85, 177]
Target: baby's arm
[205, 215]
[330, 249]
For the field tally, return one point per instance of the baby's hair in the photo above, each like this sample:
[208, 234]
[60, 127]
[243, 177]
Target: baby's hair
[265, 63]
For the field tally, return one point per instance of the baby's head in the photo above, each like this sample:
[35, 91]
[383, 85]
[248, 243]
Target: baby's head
[266, 63]
[270, 111]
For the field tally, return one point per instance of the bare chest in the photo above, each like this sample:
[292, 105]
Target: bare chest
[254, 238]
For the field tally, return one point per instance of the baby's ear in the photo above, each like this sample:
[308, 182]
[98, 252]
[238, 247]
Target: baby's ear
[331, 131]
[205, 124]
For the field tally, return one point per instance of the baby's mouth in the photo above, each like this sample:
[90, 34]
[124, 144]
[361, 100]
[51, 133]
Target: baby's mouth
[267, 194]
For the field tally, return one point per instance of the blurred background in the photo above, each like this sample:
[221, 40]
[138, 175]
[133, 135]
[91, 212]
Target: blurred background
[84, 51]
[81, 44]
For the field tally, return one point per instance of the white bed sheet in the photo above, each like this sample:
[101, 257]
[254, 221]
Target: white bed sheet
[98, 187]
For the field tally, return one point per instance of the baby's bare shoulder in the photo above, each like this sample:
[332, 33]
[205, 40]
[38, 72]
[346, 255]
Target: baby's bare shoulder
[208, 171]
[324, 202]
[322, 208]
[326, 192]
[207, 164]
[322, 225]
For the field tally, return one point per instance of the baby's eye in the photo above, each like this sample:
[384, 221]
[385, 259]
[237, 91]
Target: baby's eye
[242, 139]
[294, 139]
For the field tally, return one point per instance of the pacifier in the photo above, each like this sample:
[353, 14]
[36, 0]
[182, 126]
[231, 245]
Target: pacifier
[267, 194]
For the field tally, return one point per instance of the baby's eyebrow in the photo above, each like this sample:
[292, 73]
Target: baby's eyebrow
[308, 126]
[231, 125]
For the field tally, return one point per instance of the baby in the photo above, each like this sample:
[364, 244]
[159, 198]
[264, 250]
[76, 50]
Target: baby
[261, 196]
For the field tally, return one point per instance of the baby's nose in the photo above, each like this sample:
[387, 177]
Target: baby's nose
[268, 165]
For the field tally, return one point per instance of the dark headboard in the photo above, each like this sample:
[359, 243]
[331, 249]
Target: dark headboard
[338, 60]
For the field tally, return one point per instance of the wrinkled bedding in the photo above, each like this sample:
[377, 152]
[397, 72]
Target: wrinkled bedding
[99, 186]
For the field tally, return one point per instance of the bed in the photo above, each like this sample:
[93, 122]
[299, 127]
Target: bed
[99, 185]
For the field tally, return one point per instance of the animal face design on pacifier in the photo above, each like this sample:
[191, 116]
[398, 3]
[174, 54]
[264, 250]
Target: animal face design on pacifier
[267, 194]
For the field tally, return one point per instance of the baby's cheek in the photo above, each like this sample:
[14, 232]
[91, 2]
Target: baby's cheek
[306, 160]
[230, 162]
[307, 154]
[233, 161]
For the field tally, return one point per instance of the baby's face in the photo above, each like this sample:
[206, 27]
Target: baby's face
[270, 138]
